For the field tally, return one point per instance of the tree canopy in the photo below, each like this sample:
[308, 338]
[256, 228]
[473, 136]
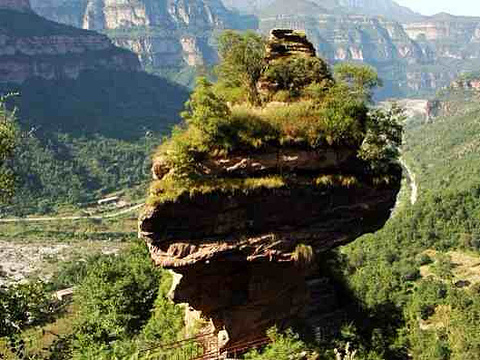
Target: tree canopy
[8, 141]
[242, 60]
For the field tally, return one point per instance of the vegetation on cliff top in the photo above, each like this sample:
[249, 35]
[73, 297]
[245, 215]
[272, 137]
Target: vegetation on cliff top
[241, 112]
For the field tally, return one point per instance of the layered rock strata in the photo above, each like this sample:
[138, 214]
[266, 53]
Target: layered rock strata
[31, 46]
[237, 250]
[164, 34]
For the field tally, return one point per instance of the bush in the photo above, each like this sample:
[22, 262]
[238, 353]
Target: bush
[24, 305]
[293, 74]
[286, 346]
[115, 299]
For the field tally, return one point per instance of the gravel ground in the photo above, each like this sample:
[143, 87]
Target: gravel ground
[19, 261]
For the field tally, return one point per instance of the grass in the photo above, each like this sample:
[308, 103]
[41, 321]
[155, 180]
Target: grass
[118, 229]
[169, 189]
[466, 266]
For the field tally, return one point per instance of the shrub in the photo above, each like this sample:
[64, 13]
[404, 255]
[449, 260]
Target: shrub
[286, 346]
[115, 299]
[24, 305]
[293, 74]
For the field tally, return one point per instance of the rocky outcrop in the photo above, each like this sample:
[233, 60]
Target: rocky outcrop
[31, 46]
[165, 35]
[237, 251]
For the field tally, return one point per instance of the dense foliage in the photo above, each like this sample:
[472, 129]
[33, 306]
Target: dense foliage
[119, 310]
[86, 137]
[8, 141]
[58, 170]
[317, 113]
[407, 268]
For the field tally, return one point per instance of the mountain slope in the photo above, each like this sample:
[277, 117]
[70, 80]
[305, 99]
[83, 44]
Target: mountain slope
[35, 47]
[77, 93]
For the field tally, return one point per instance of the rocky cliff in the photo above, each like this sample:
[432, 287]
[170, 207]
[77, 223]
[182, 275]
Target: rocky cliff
[31, 46]
[174, 37]
[450, 37]
[244, 235]
[238, 251]
[165, 34]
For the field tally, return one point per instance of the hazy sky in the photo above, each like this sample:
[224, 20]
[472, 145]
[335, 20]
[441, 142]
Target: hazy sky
[456, 7]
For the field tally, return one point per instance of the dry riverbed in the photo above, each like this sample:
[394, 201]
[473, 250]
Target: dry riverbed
[19, 261]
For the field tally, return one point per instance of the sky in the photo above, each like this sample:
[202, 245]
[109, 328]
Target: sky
[455, 7]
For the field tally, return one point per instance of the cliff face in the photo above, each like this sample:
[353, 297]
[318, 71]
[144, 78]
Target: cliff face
[236, 251]
[164, 34]
[449, 36]
[31, 46]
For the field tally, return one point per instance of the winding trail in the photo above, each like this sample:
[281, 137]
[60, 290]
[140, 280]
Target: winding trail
[61, 218]
[411, 178]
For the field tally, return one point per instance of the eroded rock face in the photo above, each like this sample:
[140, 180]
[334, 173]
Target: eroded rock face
[236, 250]
[244, 232]
[31, 46]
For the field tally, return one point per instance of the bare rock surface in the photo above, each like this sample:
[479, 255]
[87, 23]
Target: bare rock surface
[32, 46]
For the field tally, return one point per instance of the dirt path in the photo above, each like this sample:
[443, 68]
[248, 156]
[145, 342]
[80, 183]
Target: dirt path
[62, 218]
[411, 178]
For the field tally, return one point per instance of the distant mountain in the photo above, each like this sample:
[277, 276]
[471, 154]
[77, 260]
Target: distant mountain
[290, 8]
[89, 111]
[169, 37]
[33, 46]
[386, 8]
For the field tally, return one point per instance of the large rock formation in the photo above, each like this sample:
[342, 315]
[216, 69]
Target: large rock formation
[236, 250]
[245, 254]
[31, 46]
[166, 35]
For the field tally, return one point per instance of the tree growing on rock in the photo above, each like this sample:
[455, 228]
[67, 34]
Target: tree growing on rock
[362, 79]
[242, 62]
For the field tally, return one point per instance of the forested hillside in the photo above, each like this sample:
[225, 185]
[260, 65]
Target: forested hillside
[417, 279]
[84, 138]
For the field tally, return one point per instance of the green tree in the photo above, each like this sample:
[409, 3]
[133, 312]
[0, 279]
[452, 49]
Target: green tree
[205, 110]
[362, 79]
[383, 137]
[242, 62]
[115, 299]
[295, 73]
[8, 141]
